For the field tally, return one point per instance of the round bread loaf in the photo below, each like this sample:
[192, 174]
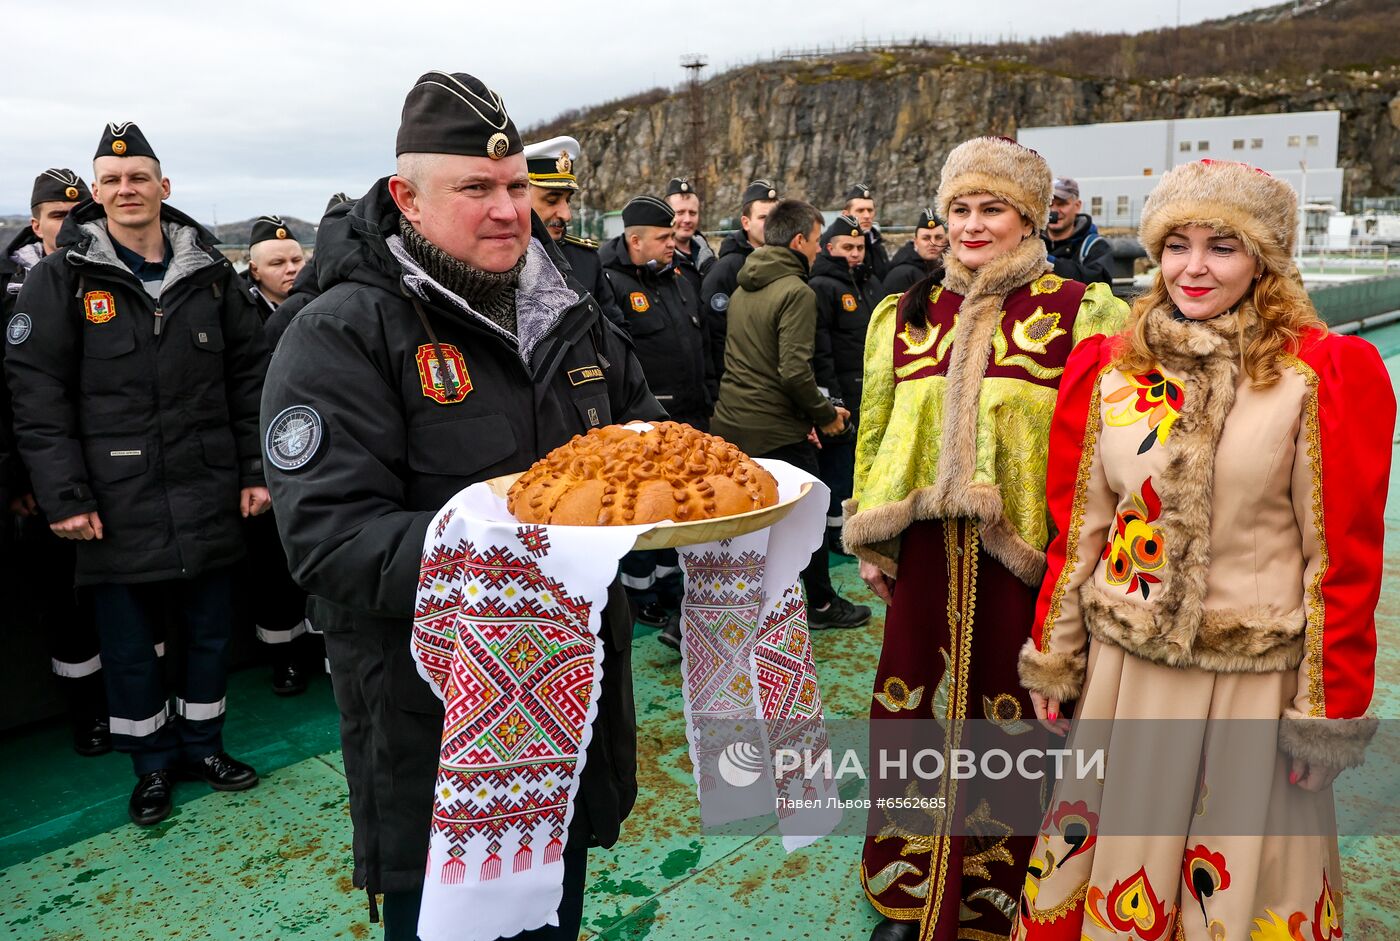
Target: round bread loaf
[614, 476]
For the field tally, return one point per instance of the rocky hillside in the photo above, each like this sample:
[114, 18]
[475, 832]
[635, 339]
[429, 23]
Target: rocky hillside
[889, 116]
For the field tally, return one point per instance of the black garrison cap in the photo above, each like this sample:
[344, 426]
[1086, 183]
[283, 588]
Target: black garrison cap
[859, 191]
[759, 190]
[648, 210]
[268, 229]
[456, 114]
[124, 140]
[58, 185]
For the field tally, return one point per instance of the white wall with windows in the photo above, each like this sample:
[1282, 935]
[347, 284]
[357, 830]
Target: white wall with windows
[1118, 164]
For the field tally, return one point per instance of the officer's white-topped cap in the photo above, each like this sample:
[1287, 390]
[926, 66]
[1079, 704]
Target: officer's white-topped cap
[551, 163]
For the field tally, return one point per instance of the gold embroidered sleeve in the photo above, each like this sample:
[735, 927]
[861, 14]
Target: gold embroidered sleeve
[877, 393]
[1099, 312]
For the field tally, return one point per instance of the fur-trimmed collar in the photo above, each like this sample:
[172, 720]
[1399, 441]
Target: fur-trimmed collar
[1001, 275]
[1185, 345]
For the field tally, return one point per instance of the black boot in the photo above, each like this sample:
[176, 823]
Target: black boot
[890, 930]
[150, 801]
[222, 772]
[92, 737]
[671, 634]
[288, 677]
[652, 614]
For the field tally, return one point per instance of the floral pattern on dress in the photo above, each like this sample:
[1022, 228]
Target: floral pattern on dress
[1135, 550]
[1153, 395]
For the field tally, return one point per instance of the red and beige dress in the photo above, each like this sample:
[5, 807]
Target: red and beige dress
[1222, 546]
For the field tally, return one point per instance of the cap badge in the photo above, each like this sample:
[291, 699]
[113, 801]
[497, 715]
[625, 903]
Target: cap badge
[118, 147]
[772, 194]
[565, 163]
[281, 233]
[497, 145]
[71, 192]
[685, 187]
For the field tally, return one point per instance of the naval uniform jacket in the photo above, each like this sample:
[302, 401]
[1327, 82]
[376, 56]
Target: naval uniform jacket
[720, 283]
[586, 267]
[143, 409]
[846, 298]
[369, 431]
[672, 344]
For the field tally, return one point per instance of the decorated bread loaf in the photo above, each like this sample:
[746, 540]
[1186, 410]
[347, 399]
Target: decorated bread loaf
[617, 477]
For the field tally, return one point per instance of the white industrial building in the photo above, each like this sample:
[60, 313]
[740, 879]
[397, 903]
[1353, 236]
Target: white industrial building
[1118, 164]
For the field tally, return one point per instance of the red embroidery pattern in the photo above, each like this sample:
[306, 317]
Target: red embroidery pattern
[1135, 550]
[513, 656]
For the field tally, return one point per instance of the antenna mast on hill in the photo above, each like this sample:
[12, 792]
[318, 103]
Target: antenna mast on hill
[694, 157]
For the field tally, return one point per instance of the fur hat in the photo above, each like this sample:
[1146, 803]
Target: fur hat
[1002, 167]
[1233, 199]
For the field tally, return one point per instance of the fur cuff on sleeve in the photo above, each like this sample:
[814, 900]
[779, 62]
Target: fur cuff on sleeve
[1336, 743]
[1053, 675]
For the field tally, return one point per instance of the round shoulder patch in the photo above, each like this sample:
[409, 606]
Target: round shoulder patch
[19, 329]
[719, 302]
[294, 437]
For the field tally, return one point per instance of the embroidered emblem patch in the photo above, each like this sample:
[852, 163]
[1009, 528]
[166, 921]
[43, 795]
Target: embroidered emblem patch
[99, 306]
[294, 437]
[639, 301]
[848, 302]
[431, 376]
[18, 329]
[584, 374]
[719, 303]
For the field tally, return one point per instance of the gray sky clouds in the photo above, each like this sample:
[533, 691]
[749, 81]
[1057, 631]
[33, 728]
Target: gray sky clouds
[260, 106]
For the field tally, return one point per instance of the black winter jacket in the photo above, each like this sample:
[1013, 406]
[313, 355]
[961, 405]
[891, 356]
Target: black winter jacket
[144, 410]
[877, 257]
[367, 439]
[846, 298]
[662, 318]
[719, 285]
[908, 269]
[586, 267]
[16, 259]
[697, 264]
[1085, 256]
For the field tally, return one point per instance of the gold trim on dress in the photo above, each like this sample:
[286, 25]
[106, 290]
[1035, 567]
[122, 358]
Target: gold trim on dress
[1059, 911]
[1317, 608]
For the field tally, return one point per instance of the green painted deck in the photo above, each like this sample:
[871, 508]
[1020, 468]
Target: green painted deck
[274, 862]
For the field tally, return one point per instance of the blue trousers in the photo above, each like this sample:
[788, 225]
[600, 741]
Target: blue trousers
[143, 723]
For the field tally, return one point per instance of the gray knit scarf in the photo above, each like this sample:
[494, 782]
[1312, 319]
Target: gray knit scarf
[489, 293]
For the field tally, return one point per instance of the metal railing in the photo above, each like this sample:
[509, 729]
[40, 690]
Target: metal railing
[1354, 259]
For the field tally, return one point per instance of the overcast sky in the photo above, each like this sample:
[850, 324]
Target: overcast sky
[262, 106]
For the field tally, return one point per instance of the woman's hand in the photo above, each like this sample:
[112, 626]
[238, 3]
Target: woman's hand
[1048, 712]
[1312, 777]
[879, 582]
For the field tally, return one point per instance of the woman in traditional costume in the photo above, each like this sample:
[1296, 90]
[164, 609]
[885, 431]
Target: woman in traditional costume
[959, 387]
[1217, 479]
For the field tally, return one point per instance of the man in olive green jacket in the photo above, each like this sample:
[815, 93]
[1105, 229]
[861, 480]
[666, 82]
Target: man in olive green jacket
[769, 400]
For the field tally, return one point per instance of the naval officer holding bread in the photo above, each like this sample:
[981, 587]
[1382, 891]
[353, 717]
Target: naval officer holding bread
[445, 348]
